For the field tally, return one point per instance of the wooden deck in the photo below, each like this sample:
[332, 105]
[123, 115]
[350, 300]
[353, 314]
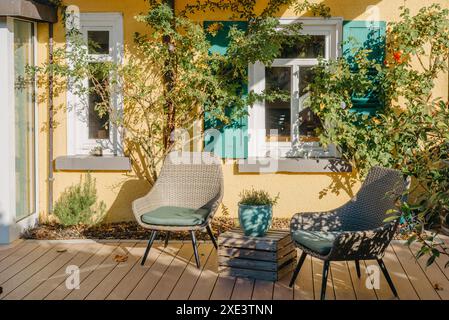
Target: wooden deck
[37, 270]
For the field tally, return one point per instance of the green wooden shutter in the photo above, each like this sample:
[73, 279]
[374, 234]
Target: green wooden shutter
[367, 35]
[232, 141]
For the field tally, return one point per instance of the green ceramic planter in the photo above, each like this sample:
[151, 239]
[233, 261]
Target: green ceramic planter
[255, 220]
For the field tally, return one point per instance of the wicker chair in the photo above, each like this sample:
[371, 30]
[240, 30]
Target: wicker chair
[185, 197]
[356, 231]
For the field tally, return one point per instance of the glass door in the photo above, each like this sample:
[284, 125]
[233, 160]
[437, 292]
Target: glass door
[24, 104]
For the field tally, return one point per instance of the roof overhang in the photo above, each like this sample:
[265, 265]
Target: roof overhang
[28, 9]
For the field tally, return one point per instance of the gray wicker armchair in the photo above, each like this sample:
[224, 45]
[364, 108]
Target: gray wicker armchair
[355, 231]
[185, 197]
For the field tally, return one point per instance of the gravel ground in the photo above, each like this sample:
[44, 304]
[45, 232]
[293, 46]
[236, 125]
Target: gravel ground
[129, 230]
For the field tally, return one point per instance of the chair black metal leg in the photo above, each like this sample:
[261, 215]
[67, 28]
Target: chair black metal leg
[211, 235]
[357, 268]
[167, 236]
[297, 269]
[195, 249]
[387, 276]
[324, 281]
[150, 243]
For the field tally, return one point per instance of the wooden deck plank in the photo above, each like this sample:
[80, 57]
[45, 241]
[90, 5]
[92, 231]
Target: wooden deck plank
[381, 292]
[21, 253]
[263, 290]
[417, 277]
[45, 273]
[8, 249]
[102, 290]
[100, 271]
[24, 262]
[223, 288]
[171, 276]
[208, 277]
[243, 289]
[400, 279]
[303, 289]
[436, 277]
[61, 292]
[281, 289]
[39, 273]
[342, 281]
[444, 238]
[443, 259]
[317, 267]
[131, 280]
[30, 270]
[14, 244]
[359, 284]
[155, 273]
[60, 276]
[191, 274]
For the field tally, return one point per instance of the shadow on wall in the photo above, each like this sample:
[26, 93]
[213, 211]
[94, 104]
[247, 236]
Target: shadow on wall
[341, 182]
[130, 190]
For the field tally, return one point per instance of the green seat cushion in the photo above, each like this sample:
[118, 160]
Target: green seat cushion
[175, 216]
[317, 241]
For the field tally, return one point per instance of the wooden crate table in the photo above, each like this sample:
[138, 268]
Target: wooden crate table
[266, 258]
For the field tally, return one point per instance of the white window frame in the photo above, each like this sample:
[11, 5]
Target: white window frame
[78, 142]
[257, 146]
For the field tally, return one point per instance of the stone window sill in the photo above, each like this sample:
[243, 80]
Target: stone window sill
[295, 165]
[92, 163]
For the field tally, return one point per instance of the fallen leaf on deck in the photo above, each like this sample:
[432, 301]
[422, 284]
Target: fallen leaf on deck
[61, 250]
[438, 287]
[120, 258]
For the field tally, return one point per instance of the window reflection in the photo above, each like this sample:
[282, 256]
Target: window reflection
[278, 112]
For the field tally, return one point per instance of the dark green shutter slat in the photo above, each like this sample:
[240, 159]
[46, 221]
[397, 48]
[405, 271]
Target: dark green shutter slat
[366, 35]
[233, 140]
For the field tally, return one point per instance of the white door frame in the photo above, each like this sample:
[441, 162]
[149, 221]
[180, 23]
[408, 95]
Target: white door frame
[10, 227]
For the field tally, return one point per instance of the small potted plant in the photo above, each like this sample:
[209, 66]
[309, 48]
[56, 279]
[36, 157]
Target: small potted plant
[256, 212]
[97, 151]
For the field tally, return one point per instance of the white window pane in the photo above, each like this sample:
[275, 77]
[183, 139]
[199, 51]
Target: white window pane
[98, 122]
[307, 120]
[309, 47]
[278, 112]
[98, 42]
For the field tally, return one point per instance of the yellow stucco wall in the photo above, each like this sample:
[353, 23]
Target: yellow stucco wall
[298, 192]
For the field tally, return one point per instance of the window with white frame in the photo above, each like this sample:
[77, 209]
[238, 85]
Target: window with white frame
[287, 128]
[87, 128]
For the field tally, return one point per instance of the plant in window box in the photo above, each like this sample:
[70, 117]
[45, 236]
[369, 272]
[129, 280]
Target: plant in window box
[256, 212]
[97, 151]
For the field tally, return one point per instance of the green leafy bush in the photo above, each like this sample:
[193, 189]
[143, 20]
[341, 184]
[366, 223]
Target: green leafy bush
[257, 198]
[78, 204]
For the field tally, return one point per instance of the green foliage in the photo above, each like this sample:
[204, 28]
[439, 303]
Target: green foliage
[257, 198]
[411, 132]
[78, 204]
[317, 9]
